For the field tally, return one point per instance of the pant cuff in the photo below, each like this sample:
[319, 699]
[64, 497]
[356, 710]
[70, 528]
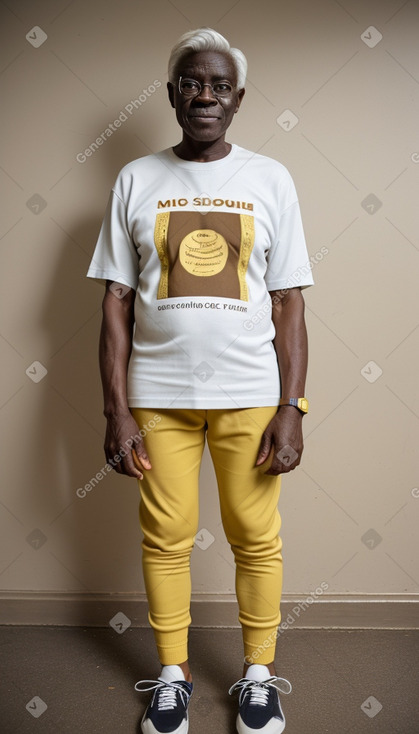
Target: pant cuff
[259, 648]
[172, 647]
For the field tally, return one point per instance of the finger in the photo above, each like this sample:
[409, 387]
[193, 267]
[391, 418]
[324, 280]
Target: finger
[141, 459]
[110, 460]
[273, 471]
[136, 465]
[279, 466]
[123, 464]
[265, 450]
[129, 468]
[268, 460]
[120, 463]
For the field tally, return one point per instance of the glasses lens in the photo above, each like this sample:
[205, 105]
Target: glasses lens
[222, 89]
[189, 87]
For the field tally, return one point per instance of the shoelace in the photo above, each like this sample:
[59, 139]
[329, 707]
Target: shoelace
[166, 693]
[259, 691]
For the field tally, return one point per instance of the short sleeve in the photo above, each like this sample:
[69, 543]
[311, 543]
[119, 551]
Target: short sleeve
[289, 265]
[115, 256]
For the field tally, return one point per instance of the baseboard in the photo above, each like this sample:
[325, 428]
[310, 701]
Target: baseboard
[330, 611]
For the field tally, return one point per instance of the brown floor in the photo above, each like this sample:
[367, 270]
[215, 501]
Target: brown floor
[86, 676]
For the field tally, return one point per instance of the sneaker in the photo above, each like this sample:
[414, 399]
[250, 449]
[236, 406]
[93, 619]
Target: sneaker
[259, 705]
[167, 712]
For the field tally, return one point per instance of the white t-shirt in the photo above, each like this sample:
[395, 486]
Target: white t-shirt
[202, 244]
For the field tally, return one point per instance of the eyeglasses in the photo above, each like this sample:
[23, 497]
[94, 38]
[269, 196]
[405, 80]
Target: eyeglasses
[191, 88]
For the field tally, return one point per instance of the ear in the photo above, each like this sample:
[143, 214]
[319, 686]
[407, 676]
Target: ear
[239, 99]
[171, 93]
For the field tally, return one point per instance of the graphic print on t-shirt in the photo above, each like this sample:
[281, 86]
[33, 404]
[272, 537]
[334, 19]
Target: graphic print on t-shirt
[203, 254]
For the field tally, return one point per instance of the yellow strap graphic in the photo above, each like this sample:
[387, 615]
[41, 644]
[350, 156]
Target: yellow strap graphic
[160, 240]
[247, 226]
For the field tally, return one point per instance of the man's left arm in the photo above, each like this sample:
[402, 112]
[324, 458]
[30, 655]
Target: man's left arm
[284, 433]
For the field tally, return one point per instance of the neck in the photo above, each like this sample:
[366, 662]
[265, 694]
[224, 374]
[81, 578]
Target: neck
[202, 152]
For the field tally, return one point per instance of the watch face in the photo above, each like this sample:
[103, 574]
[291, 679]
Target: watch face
[303, 404]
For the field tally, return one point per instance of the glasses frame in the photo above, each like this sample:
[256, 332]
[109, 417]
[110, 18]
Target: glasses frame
[201, 86]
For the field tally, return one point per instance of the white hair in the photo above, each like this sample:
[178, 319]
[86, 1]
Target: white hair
[206, 39]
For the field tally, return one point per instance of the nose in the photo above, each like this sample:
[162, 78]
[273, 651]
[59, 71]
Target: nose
[206, 93]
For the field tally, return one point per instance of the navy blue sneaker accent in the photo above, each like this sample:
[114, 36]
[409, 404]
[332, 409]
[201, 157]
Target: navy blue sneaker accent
[259, 705]
[167, 712]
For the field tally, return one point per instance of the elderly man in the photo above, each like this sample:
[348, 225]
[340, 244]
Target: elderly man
[203, 338]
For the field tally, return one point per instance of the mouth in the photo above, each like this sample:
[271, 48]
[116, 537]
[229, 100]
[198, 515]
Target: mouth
[203, 116]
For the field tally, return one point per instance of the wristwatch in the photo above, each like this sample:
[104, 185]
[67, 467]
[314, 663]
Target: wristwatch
[300, 403]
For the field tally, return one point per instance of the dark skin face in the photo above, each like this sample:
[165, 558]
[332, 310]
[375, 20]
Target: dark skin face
[205, 119]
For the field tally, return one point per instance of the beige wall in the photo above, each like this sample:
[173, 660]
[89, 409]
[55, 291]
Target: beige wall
[356, 136]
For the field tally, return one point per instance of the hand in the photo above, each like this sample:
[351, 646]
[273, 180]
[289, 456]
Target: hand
[124, 447]
[284, 437]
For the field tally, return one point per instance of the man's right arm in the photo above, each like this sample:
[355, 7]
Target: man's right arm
[114, 353]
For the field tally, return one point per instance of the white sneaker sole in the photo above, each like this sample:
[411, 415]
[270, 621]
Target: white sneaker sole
[274, 726]
[147, 727]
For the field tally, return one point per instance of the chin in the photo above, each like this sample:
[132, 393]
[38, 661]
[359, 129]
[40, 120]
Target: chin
[206, 132]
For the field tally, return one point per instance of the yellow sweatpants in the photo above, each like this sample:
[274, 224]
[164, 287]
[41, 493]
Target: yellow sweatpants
[169, 521]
